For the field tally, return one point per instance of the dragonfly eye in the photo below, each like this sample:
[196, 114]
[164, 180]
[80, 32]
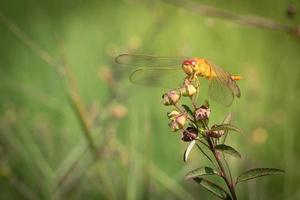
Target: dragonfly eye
[188, 66]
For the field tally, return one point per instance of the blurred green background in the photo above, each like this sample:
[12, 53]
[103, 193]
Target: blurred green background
[52, 119]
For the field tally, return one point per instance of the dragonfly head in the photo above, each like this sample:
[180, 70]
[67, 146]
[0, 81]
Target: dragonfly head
[189, 66]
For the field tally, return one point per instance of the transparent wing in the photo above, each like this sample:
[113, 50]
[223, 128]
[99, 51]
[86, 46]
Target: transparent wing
[156, 71]
[222, 88]
[219, 93]
[158, 77]
[138, 60]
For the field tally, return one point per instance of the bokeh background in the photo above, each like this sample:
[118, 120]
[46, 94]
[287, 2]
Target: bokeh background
[83, 131]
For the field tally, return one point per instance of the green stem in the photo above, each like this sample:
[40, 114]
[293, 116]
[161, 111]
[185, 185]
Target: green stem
[202, 151]
[229, 184]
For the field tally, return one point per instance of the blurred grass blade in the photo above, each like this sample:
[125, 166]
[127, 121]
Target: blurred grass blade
[201, 172]
[226, 127]
[228, 150]
[258, 172]
[213, 188]
[188, 150]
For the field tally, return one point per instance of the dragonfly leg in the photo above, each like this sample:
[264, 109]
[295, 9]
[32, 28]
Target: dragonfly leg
[197, 90]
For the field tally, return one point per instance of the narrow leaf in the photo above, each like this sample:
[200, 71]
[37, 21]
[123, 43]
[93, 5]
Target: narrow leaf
[201, 172]
[258, 172]
[188, 150]
[188, 109]
[226, 127]
[228, 150]
[227, 120]
[213, 188]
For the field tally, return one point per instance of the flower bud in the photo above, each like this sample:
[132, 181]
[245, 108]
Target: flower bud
[171, 97]
[188, 90]
[174, 126]
[215, 134]
[173, 114]
[189, 134]
[181, 119]
[178, 122]
[202, 113]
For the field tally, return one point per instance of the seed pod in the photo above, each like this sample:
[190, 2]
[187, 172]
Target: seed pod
[202, 113]
[171, 97]
[189, 134]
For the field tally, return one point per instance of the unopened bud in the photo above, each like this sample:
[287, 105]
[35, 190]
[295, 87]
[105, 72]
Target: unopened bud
[171, 97]
[178, 122]
[215, 134]
[181, 119]
[174, 126]
[188, 90]
[173, 114]
[189, 134]
[202, 113]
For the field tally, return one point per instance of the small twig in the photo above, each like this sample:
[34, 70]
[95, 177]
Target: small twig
[223, 172]
[253, 21]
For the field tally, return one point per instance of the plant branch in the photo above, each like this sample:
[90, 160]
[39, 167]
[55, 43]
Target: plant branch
[223, 173]
[252, 21]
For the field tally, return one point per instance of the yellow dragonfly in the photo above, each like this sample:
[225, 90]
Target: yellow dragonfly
[151, 71]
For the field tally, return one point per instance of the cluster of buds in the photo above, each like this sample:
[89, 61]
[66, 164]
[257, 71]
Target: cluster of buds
[189, 122]
[173, 96]
[178, 118]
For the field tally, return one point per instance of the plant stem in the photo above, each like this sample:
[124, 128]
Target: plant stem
[223, 173]
[206, 155]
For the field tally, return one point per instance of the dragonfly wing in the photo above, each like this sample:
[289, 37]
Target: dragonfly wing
[138, 60]
[220, 93]
[222, 87]
[157, 77]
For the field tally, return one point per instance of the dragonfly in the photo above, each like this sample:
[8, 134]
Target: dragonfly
[152, 70]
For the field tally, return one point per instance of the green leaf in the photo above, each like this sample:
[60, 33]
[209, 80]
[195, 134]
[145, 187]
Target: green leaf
[226, 127]
[227, 120]
[213, 188]
[188, 109]
[258, 172]
[201, 171]
[188, 150]
[228, 150]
